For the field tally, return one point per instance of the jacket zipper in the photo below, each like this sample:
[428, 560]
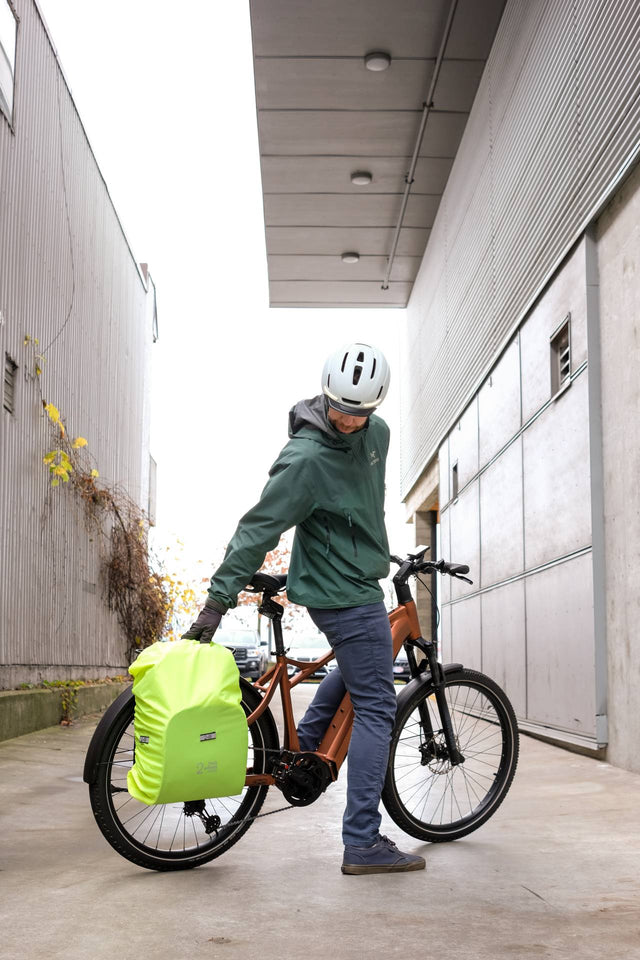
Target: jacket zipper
[353, 535]
[328, 543]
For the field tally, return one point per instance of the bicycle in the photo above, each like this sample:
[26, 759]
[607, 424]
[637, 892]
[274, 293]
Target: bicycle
[453, 753]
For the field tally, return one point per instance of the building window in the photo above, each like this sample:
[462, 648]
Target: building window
[561, 355]
[454, 481]
[7, 58]
[9, 384]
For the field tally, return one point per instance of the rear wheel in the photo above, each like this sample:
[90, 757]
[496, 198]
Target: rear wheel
[427, 796]
[173, 836]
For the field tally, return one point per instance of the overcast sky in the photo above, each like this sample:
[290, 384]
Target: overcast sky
[166, 94]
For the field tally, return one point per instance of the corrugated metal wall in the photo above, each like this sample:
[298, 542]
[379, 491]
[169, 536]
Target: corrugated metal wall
[555, 122]
[68, 277]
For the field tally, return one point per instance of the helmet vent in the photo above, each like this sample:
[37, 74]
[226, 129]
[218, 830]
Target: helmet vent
[344, 362]
[357, 373]
[361, 357]
[373, 369]
[379, 392]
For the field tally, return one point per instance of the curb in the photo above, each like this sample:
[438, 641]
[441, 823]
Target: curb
[23, 711]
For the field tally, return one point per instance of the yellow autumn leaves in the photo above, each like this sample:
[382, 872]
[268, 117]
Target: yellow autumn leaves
[59, 466]
[58, 461]
[39, 358]
[54, 415]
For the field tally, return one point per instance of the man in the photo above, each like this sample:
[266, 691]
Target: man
[328, 482]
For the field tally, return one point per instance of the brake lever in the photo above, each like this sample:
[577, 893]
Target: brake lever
[458, 576]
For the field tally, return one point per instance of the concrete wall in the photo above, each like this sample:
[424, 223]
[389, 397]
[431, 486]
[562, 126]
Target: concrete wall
[618, 237]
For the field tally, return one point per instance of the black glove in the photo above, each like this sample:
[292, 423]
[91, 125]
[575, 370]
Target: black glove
[205, 626]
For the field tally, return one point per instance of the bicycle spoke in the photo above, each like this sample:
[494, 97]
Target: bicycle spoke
[481, 736]
[466, 787]
[164, 810]
[137, 814]
[175, 833]
[428, 796]
[155, 820]
[407, 773]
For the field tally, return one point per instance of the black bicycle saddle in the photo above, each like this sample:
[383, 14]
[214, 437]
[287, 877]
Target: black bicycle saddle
[268, 582]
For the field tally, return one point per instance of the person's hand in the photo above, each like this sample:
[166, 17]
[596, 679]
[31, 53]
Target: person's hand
[205, 626]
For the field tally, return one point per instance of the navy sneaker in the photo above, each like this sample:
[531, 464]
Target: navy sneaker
[381, 857]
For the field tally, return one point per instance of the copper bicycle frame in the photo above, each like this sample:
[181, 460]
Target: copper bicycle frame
[335, 743]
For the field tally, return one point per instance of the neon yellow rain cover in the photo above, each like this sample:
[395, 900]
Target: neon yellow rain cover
[191, 733]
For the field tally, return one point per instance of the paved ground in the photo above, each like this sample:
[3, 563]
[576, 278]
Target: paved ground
[553, 874]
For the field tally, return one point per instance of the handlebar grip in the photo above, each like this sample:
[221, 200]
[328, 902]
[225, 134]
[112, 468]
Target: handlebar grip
[455, 568]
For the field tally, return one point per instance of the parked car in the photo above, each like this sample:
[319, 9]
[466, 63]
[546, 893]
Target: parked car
[249, 652]
[309, 648]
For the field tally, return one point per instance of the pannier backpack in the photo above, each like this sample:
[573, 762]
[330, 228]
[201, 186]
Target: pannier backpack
[191, 734]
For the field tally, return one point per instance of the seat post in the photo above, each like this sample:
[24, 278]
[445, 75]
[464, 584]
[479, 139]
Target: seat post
[277, 635]
[273, 611]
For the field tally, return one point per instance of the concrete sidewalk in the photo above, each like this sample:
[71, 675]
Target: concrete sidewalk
[555, 873]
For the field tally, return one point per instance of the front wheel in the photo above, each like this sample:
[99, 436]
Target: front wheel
[174, 836]
[427, 796]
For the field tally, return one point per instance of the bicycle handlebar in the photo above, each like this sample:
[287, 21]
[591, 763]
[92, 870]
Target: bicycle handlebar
[415, 563]
[453, 569]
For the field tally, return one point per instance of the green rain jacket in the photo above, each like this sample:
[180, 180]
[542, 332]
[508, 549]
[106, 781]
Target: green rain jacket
[330, 486]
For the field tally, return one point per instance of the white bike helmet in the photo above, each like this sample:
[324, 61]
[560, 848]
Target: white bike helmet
[356, 379]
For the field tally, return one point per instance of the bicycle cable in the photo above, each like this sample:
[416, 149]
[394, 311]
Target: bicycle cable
[433, 599]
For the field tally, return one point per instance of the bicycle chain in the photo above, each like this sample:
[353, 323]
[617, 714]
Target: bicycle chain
[267, 814]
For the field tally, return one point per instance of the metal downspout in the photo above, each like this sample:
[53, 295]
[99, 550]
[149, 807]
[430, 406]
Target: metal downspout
[427, 106]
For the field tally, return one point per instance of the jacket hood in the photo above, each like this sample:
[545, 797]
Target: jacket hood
[309, 419]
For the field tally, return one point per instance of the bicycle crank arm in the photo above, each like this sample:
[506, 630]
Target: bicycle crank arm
[259, 780]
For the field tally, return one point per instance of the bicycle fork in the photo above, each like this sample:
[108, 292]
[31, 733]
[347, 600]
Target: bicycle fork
[430, 751]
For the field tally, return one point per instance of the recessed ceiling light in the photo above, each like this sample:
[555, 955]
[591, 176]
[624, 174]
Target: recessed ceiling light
[361, 178]
[377, 61]
[350, 257]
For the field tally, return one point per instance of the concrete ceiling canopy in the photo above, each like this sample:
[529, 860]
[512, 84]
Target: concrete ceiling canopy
[337, 139]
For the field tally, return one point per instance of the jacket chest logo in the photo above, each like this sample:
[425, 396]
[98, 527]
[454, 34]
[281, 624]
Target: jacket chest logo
[373, 458]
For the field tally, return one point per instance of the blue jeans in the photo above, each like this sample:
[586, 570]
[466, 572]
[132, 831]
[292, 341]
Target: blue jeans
[361, 639]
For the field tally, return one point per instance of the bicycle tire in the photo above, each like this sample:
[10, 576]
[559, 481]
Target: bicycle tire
[420, 785]
[116, 757]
